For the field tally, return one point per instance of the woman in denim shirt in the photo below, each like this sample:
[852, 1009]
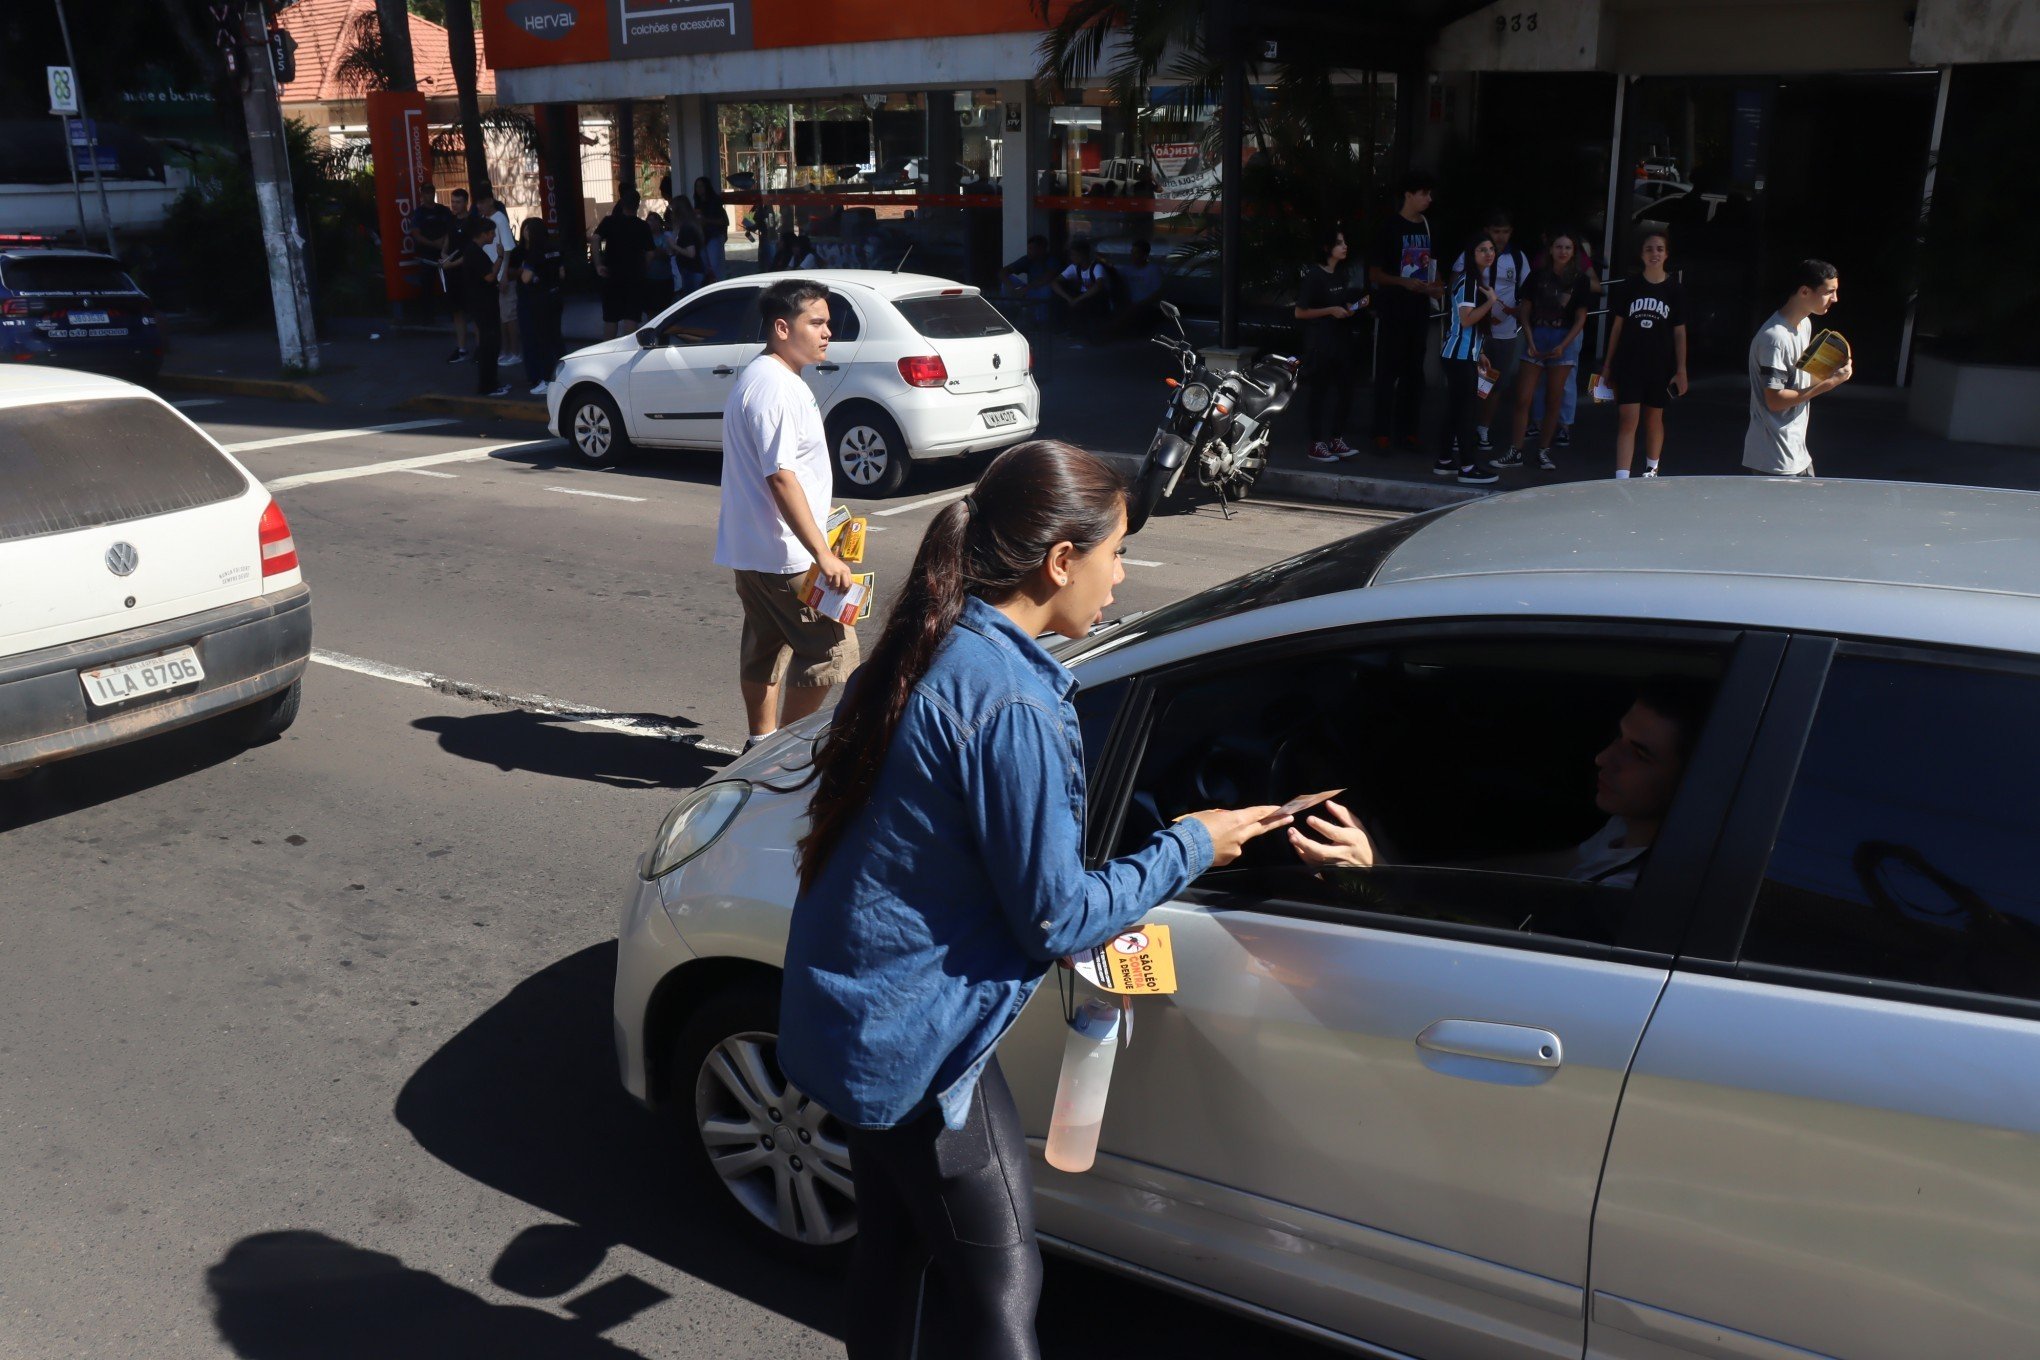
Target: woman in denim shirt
[943, 875]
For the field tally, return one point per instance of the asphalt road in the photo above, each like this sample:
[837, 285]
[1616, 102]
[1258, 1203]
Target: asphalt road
[304, 1050]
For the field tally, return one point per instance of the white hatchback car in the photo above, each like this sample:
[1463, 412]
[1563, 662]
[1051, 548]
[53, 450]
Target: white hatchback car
[147, 580]
[919, 367]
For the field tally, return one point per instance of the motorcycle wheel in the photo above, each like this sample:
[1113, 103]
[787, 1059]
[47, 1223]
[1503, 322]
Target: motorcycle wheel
[1148, 490]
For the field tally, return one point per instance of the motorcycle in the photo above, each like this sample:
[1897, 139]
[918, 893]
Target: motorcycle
[1216, 426]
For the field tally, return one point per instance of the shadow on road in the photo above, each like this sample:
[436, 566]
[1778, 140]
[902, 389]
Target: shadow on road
[307, 1296]
[107, 776]
[548, 744]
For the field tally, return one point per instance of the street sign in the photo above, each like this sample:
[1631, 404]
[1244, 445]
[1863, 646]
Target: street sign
[63, 90]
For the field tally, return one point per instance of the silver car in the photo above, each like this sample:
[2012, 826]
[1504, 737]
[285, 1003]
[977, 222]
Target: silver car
[1770, 1088]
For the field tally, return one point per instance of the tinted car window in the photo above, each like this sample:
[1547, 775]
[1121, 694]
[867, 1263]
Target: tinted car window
[1910, 849]
[1479, 771]
[74, 464]
[65, 274]
[726, 318]
[962, 317]
[1097, 709]
[843, 323]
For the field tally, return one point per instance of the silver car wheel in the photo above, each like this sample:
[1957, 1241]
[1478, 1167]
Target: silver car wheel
[862, 454]
[784, 1158]
[592, 433]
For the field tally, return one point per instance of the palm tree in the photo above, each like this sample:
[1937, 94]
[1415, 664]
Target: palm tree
[460, 49]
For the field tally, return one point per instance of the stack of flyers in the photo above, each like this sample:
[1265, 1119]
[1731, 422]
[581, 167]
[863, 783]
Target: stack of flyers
[845, 534]
[846, 607]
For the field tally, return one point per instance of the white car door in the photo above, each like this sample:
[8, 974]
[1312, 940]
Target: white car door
[677, 388]
[846, 333]
[1381, 1100]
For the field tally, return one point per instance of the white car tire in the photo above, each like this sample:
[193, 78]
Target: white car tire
[868, 450]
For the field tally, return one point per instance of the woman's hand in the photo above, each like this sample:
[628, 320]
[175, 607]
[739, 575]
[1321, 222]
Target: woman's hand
[1345, 845]
[1679, 383]
[1232, 828]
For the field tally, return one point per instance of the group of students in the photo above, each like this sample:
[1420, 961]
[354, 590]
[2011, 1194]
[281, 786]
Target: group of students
[1512, 326]
[493, 285]
[647, 263]
[1088, 296]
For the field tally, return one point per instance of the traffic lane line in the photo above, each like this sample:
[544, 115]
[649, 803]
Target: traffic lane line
[322, 436]
[599, 495]
[473, 455]
[923, 504]
[584, 715]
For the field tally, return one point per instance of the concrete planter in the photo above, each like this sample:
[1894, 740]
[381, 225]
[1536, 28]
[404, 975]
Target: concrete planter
[1976, 403]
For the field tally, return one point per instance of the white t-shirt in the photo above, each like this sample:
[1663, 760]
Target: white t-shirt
[771, 424]
[1508, 276]
[1083, 279]
[1776, 442]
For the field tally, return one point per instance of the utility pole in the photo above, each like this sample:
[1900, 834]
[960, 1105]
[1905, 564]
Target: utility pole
[288, 290]
[91, 139]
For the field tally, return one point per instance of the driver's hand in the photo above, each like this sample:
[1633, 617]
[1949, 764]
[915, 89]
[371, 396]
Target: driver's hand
[1345, 844]
[1232, 828]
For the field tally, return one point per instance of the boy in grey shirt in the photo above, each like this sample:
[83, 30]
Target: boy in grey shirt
[1775, 444]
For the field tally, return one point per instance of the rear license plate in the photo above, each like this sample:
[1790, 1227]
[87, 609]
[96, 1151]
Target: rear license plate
[1004, 415]
[89, 318]
[150, 675]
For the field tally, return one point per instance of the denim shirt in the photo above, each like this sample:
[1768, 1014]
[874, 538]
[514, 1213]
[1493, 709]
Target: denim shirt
[957, 886]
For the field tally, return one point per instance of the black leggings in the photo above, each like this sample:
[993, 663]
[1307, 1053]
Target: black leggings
[958, 1204]
[1330, 375]
[1462, 411]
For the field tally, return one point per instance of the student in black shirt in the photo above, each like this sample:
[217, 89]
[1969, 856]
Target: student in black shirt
[477, 274]
[1646, 362]
[457, 291]
[1326, 303]
[1404, 272]
[624, 255]
[540, 272]
[432, 233]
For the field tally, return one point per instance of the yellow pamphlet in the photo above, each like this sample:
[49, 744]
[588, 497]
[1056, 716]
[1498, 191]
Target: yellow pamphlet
[1138, 963]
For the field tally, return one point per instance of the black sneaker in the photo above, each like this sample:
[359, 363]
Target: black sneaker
[1544, 463]
[1445, 467]
[1564, 440]
[1512, 459]
[1530, 430]
[456, 356]
[1487, 445]
[1473, 474]
[502, 391]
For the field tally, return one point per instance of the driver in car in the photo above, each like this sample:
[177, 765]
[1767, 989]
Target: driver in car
[1637, 774]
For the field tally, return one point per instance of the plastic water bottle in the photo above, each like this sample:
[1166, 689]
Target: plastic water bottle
[1081, 1089]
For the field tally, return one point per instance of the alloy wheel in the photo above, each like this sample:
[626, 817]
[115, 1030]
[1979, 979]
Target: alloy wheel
[862, 454]
[784, 1158]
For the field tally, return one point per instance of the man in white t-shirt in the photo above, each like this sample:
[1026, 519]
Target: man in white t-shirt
[776, 480]
[1775, 443]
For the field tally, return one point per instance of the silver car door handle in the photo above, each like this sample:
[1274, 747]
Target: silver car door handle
[722, 370]
[1497, 1043]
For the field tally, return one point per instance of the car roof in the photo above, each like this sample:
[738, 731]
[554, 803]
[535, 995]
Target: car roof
[27, 384]
[881, 281]
[1882, 533]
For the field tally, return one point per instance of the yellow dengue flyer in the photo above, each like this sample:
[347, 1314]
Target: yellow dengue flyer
[1138, 963]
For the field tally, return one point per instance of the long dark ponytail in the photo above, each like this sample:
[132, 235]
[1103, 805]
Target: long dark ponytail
[1032, 497]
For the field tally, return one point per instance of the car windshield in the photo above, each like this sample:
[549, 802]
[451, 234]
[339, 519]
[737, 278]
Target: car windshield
[964, 316]
[76, 464]
[1345, 565]
[65, 274]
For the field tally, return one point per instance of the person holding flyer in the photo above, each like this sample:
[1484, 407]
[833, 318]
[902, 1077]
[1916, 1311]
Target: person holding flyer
[1646, 363]
[943, 874]
[776, 480]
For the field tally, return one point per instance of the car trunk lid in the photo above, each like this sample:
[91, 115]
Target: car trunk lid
[979, 348]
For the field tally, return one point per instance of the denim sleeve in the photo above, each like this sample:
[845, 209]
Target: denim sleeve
[1025, 796]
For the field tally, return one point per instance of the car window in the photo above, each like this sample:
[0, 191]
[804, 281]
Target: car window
[843, 322]
[729, 317]
[1910, 848]
[961, 316]
[64, 274]
[1512, 785]
[75, 464]
[1097, 709]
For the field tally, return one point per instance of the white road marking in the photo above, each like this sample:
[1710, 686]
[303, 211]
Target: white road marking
[188, 403]
[428, 472]
[942, 499]
[600, 495]
[584, 715]
[1140, 562]
[472, 455]
[321, 436]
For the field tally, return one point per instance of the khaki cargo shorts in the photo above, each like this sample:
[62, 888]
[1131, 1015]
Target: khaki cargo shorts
[785, 640]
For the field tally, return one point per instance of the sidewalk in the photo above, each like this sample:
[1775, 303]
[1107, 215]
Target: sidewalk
[1109, 397]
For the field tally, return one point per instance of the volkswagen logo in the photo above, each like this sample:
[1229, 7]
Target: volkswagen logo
[995, 361]
[122, 559]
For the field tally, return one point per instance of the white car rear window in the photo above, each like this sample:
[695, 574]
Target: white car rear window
[75, 464]
[964, 317]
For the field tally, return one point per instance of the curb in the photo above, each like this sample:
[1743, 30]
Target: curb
[277, 389]
[1384, 493]
[479, 408]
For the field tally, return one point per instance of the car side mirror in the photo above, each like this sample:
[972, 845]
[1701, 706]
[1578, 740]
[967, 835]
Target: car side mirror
[648, 338]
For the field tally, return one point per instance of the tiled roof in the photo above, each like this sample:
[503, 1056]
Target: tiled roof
[324, 30]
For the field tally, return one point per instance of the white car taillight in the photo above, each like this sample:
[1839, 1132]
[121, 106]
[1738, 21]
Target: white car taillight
[924, 370]
[279, 549]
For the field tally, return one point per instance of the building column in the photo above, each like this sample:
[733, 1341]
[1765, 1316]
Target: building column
[690, 142]
[1023, 154]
